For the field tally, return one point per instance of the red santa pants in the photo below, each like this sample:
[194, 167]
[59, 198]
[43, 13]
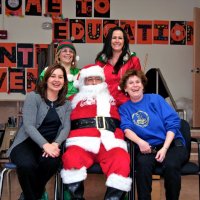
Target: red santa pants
[116, 160]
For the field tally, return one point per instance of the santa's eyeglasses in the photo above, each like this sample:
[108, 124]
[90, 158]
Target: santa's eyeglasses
[93, 79]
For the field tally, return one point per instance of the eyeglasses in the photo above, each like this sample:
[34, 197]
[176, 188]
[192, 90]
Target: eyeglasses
[93, 79]
[67, 50]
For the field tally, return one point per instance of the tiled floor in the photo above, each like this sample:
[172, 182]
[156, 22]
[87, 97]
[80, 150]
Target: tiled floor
[95, 189]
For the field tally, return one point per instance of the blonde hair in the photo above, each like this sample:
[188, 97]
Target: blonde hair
[57, 58]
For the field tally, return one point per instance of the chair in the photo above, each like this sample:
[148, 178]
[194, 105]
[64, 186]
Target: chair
[189, 168]
[8, 168]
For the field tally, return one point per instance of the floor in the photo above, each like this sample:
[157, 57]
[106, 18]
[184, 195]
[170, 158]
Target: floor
[95, 189]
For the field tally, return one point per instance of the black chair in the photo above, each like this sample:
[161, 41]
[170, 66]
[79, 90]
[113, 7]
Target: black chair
[189, 168]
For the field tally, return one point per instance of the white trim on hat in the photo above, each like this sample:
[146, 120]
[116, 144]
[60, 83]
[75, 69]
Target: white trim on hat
[93, 70]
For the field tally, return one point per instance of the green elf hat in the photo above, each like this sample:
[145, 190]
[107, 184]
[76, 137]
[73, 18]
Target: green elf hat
[66, 43]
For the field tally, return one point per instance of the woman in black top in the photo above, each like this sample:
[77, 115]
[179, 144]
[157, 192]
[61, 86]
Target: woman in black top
[46, 124]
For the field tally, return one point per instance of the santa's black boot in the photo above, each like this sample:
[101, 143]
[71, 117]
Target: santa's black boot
[114, 194]
[76, 190]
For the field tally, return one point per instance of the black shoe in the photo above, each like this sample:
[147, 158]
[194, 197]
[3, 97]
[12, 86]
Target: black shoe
[21, 196]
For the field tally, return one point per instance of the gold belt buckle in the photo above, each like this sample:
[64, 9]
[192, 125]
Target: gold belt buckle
[103, 120]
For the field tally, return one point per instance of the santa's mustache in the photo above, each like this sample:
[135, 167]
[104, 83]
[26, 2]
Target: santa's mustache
[93, 89]
[88, 92]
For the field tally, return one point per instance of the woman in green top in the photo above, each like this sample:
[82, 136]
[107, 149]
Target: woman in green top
[66, 56]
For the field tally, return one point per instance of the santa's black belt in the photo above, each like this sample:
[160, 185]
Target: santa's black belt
[101, 123]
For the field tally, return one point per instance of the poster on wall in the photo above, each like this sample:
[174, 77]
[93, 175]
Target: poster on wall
[33, 7]
[77, 30]
[160, 32]
[190, 33]
[7, 54]
[144, 32]
[94, 31]
[83, 8]
[31, 78]
[53, 8]
[3, 79]
[13, 8]
[60, 30]
[107, 24]
[16, 81]
[178, 33]
[24, 55]
[102, 8]
[129, 27]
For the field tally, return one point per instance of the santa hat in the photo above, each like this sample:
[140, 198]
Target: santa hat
[66, 43]
[88, 70]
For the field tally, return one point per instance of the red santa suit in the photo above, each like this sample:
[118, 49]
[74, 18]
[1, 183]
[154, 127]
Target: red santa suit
[89, 143]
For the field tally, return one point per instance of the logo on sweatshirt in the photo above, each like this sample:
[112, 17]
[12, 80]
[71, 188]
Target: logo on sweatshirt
[140, 118]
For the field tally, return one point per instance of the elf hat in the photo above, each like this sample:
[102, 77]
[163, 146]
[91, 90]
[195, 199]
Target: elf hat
[66, 43]
[87, 71]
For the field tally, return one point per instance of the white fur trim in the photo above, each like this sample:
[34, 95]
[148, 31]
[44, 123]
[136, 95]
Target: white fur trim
[109, 141]
[103, 104]
[94, 70]
[76, 83]
[70, 77]
[73, 175]
[91, 144]
[119, 182]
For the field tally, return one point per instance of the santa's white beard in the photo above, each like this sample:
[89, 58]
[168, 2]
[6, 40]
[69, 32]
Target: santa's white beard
[90, 93]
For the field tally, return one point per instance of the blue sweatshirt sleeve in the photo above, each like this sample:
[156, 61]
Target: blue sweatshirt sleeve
[125, 116]
[169, 116]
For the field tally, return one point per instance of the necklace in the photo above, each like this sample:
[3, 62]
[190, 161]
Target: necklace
[51, 103]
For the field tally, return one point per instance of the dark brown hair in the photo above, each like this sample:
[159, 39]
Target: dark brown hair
[41, 87]
[107, 48]
[132, 72]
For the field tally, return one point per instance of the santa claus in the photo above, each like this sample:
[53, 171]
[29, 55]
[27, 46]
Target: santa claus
[95, 137]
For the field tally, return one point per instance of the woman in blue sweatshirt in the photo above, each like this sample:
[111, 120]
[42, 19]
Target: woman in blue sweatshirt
[154, 126]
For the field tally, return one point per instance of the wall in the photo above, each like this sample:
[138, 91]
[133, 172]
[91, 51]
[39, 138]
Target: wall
[175, 61]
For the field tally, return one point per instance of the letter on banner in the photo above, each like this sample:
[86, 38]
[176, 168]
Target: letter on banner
[94, 31]
[77, 30]
[16, 80]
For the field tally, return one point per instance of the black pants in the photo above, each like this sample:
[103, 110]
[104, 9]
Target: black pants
[171, 165]
[33, 170]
